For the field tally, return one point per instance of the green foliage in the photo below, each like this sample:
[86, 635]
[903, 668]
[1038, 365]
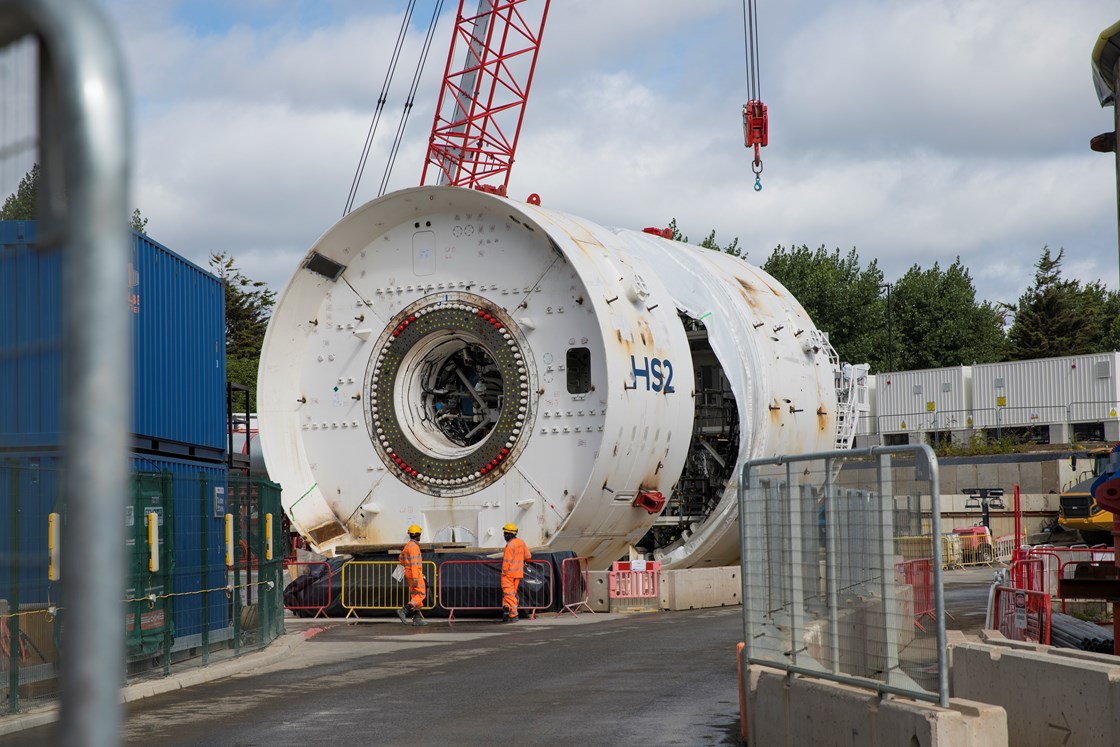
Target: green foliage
[20, 205]
[840, 297]
[1062, 317]
[709, 242]
[936, 321]
[243, 371]
[248, 308]
[979, 445]
[138, 223]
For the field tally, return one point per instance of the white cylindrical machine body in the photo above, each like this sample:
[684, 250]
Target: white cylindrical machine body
[457, 360]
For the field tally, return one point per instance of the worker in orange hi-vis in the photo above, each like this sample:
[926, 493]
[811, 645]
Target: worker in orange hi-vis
[412, 563]
[513, 570]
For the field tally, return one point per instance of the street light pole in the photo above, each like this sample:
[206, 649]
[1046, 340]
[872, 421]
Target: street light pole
[890, 338]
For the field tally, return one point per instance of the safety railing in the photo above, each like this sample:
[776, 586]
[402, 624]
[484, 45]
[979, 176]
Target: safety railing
[822, 593]
[951, 556]
[309, 588]
[918, 574]
[475, 586]
[1005, 545]
[575, 587]
[634, 580]
[975, 549]
[1053, 558]
[1021, 615]
[1028, 574]
[914, 547]
[991, 418]
[1078, 569]
[369, 585]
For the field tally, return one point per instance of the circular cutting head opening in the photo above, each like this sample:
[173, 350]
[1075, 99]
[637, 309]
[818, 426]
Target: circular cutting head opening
[449, 386]
[451, 393]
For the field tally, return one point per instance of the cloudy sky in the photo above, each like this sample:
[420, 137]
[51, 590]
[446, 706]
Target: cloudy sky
[912, 130]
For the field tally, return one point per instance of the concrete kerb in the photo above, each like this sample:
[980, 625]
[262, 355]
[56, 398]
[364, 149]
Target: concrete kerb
[278, 650]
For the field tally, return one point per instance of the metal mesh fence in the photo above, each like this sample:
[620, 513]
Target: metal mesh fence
[182, 604]
[842, 571]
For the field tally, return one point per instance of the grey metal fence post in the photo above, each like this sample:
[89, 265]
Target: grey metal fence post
[939, 590]
[884, 541]
[84, 156]
[832, 537]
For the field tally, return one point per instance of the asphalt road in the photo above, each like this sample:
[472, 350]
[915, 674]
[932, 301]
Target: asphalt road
[637, 679]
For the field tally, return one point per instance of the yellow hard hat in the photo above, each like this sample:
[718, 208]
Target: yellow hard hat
[511, 528]
[414, 529]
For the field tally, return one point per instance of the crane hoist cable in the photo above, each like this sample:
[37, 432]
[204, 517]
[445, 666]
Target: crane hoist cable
[755, 123]
[380, 106]
[411, 97]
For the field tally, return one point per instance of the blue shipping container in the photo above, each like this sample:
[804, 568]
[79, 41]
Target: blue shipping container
[178, 359]
[30, 489]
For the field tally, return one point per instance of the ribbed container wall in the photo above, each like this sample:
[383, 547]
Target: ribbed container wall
[30, 489]
[178, 359]
[933, 399]
[1080, 388]
[194, 526]
[30, 339]
[179, 369]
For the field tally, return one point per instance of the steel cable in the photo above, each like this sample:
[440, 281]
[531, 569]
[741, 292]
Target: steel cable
[411, 98]
[379, 108]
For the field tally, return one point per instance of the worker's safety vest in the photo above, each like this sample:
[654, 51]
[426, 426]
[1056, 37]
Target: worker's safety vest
[411, 561]
[513, 560]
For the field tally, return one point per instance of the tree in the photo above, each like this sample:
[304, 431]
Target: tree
[936, 321]
[841, 298]
[709, 242]
[20, 205]
[248, 308]
[138, 223]
[1061, 317]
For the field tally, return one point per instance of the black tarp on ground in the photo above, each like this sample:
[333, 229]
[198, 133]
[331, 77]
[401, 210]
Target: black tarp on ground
[478, 583]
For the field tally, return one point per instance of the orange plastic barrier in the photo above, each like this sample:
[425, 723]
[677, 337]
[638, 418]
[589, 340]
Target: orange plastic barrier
[635, 579]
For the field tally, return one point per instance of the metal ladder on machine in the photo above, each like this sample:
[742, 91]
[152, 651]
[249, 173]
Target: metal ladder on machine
[851, 394]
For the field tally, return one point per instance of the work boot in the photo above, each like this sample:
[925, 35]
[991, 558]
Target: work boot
[402, 613]
[419, 620]
[505, 614]
[512, 618]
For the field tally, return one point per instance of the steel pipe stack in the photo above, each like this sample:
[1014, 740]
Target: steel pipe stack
[1067, 631]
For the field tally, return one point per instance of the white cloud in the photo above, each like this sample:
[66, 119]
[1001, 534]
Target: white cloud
[915, 132]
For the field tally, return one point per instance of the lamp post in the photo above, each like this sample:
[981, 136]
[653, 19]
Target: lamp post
[890, 338]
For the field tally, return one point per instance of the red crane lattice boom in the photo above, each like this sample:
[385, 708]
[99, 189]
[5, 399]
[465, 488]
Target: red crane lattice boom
[482, 104]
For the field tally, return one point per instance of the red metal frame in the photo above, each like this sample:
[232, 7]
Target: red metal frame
[324, 604]
[1022, 615]
[453, 597]
[475, 140]
[575, 587]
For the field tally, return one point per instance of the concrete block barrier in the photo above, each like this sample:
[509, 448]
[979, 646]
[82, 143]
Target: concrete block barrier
[598, 592]
[802, 710]
[700, 588]
[1052, 696]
